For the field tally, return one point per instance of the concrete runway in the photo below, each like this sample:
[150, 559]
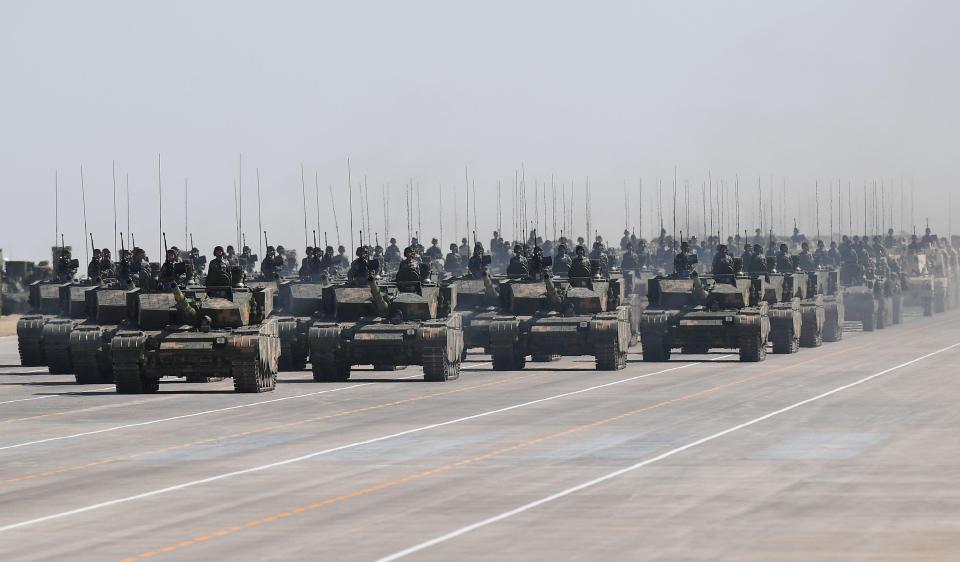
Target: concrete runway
[847, 452]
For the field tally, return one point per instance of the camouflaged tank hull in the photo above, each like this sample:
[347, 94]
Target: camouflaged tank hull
[437, 345]
[248, 354]
[476, 329]
[604, 335]
[699, 330]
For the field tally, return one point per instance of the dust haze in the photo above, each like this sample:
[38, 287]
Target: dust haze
[793, 95]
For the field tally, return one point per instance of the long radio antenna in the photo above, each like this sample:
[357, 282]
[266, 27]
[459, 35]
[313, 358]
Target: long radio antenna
[316, 191]
[350, 188]
[83, 199]
[160, 205]
[113, 168]
[56, 208]
[303, 195]
[259, 217]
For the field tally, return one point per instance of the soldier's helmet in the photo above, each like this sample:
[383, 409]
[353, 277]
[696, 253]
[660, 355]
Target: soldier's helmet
[626, 232]
[433, 241]
[341, 249]
[757, 249]
[106, 252]
[496, 234]
[96, 252]
[393, 240]
[413, 240]
[820, 243]
[218, 251]
[684, 246]
[246, 250]
[463, 240]
[408, 252]
[804, 246]
[630, 246]
[329, 249]
[517, 249]
[281, 250]
[783, 247]
[453, 246]
[722, 248]
[478, 248]
[362, 252]
[580, 250]
[230, 250]
[832, 244]
[271, 250]
[562, 248]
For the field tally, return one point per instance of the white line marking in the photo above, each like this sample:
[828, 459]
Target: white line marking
[315, 454]
[534, 504]
[185, 416]
[59, 395]
[17, 371]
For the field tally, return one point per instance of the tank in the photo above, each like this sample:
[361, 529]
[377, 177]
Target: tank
[825, 283]
[477, 304]
[697, 315]
[110, 308]
[202, 333]
[917, 283]
[561, 317]
[45, 305]
[298, 302]
[783, 292]
[386, 324]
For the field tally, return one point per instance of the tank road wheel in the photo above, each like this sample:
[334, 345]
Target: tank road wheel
[330, 368]
[131, 379]
[655, 348]
[785, 341]
[250, 376]
[507, 357]
[610, 357]
[752, 349]
[436, 366]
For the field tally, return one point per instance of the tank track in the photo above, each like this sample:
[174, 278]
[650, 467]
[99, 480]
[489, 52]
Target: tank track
[30, 341]
[752, 349]
[85, 346]
[249, 376]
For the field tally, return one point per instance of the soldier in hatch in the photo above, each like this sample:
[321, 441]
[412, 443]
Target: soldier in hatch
[758, 262]
[107, 268]
[475, 266]
[562, 261]
[168, 272]
[434, 252]
[268, 267]
[453, 263]
[410, 268]
[807, 260]
[360, 268]
[629, 261]
[722, 262]
[580, 265]
[683, 262]
[784, 262]
[518, 263]
[392, 254]
[93, 268]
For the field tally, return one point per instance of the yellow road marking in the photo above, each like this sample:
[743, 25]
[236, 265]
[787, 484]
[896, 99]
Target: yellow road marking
[100, 462]
[485, 456]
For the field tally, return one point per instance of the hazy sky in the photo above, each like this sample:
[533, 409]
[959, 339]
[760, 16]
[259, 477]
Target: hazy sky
[418, 91]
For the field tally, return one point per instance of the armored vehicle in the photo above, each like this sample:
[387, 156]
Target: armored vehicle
[206, 333]
[825, 284]
[699, 314]
[408, 322]
[478, 304]
[917, 283]
[298, 302]
[109, 308]
[563, 317]
[786, 321]
[45, 305]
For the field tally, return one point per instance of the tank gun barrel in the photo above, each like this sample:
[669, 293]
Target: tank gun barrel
[552, 294]
[377, 297]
